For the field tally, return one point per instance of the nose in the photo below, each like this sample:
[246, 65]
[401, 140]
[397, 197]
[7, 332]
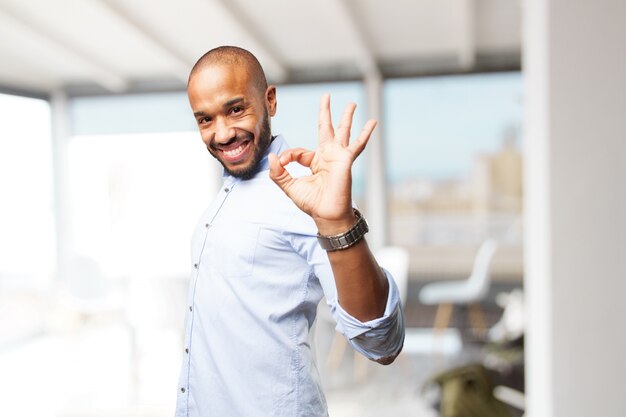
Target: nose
[224, 133]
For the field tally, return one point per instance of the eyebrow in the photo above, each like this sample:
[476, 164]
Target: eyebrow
[229, 103]
[233, 101]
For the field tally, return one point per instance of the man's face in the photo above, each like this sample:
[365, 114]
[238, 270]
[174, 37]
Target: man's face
[233, 116]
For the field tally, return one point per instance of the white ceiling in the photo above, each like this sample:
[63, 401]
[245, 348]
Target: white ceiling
[132, 45]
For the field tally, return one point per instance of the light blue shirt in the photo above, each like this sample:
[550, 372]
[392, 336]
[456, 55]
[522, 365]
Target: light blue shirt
[258, 275]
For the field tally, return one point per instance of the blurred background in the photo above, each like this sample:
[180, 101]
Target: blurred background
[494, 192]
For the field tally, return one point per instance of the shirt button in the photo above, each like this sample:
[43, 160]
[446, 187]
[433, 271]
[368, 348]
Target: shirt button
[186, 350]
[190, 309]
[182, 390]
[226, 189]
[207, 225]
[195, 266]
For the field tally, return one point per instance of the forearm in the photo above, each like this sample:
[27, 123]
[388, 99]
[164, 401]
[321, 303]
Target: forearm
[368, 310]
[362, 287]
[363, 291]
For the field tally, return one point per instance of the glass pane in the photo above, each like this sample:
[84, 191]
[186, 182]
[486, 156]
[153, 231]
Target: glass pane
[136, 198]
[454, 158]
[26, 223]
[27, 246]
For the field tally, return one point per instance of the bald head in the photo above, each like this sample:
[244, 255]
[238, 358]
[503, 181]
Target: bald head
[232, 56]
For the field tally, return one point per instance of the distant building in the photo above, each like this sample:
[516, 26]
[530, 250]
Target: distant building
[488, 202]
[497, 179]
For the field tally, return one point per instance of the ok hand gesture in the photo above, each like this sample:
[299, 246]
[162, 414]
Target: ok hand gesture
[326, 194]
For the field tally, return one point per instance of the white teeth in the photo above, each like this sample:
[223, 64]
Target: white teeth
[234, 152]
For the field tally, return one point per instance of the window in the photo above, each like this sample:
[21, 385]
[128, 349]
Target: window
[454, 158]
[27, 246]
[135, 199]
[27, 250]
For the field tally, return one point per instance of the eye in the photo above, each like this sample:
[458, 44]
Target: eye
[204, 120]
[236, 110]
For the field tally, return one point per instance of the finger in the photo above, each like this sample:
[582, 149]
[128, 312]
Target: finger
[325, 123]
[278, 173]
[343, 130]
[300, 155]
[359, 143]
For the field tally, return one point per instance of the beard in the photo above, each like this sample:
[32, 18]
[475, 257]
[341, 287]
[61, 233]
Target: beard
[250, 169]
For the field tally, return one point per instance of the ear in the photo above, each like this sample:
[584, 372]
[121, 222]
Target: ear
[270, 100]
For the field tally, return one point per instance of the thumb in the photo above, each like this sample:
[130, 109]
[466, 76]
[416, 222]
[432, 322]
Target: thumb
[278, 173]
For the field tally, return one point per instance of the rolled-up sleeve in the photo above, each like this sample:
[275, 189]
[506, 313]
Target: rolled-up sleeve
[377, 338]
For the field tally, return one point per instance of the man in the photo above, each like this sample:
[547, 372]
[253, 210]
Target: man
[259, 270]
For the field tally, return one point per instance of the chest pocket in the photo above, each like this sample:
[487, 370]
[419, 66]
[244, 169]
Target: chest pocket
[233, 249]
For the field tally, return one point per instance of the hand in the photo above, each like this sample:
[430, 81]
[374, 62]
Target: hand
[326, 195]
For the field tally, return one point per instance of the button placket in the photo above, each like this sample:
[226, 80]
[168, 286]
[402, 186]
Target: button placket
[227, 189]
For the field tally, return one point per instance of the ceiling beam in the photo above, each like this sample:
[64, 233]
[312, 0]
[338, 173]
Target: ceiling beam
[23, 75]
[250, 28]
[17, 91]
[410, 68]
[366, 61]
[97, 71]
[179, 64]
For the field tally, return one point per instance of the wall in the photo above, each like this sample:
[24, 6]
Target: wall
[575, 69]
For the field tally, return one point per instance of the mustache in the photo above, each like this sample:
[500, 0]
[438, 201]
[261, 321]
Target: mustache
[239, 137]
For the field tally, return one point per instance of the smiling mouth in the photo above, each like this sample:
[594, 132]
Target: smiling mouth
[236, 154]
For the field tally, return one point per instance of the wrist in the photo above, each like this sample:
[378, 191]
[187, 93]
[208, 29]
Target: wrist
[347, 238]
[333, 227]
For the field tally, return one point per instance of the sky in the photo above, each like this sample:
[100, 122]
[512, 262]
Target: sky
[434, 126]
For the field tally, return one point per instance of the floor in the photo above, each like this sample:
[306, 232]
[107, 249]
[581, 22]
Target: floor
[85, 370]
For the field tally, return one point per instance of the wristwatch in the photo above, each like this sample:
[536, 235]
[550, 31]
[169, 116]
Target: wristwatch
[346, 239]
